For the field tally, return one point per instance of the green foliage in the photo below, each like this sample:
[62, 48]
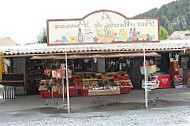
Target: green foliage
[174, 16]
[163, 34]
[42, 38]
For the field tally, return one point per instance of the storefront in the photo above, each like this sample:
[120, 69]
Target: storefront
[36, 61]
[103, 52]
[98, 73]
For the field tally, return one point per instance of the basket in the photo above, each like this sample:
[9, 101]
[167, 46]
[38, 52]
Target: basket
[106, 39]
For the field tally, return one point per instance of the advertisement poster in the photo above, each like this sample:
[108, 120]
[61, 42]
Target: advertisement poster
[102, 27]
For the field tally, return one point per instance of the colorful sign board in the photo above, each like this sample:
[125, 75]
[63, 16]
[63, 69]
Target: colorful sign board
[103, 27]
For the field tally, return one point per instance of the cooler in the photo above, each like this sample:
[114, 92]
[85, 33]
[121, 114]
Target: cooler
[163, 81]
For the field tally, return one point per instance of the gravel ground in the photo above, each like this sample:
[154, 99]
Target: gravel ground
[172, 109]
[169, 116]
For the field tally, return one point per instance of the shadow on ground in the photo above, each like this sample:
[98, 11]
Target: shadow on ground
[117, 106]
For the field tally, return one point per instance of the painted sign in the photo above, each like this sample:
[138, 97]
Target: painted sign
[103, 27]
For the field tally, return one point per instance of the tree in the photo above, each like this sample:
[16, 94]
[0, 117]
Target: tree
[174, 16]
[163, 33]
[42, 38]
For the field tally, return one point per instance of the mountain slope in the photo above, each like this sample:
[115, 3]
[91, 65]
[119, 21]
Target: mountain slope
[174, 16]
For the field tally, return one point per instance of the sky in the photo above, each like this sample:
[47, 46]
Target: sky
[24, 20]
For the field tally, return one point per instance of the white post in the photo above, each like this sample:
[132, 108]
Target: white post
[145, 78]
[52, 90]
[67, 82]
[13, 92]
[63, 87]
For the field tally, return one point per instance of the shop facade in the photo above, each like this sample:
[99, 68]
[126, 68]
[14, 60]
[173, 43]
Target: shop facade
[33, 63]
[104, 51]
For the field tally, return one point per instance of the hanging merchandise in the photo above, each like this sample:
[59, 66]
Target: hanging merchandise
[86, 60]
[109, 63]
[59, 74]
[60, 90]
[55, 88]
[95, 60]
[69, 73]
[47, 72]
[54, 73]
[62, 66]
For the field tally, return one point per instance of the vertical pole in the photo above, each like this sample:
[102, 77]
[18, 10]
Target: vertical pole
[6, 96]
[67, 82]
[8, 90]
[3, 92]
[145, 78]
[63, 87]
[13, 92]
[52, 90]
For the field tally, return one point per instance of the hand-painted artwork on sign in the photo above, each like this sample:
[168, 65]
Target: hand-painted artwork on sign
[103, 27]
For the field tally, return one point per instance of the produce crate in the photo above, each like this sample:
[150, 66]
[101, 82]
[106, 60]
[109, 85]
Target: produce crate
[84, 92]
[78, 84]
[125, 90]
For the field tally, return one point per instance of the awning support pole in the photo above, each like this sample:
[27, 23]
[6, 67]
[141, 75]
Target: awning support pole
[67, 82]
[145, 78]
[63, 86]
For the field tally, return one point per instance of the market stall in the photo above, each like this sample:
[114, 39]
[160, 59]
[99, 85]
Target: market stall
[85, 83]
[101, 58]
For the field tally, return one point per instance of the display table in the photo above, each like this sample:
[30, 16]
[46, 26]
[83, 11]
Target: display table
[103, 92]
[13, 79]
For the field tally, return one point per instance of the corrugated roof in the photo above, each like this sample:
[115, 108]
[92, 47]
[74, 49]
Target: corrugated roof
[107, 55]
[94, 48]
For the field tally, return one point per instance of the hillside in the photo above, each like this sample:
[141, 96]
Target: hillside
[174, 16]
